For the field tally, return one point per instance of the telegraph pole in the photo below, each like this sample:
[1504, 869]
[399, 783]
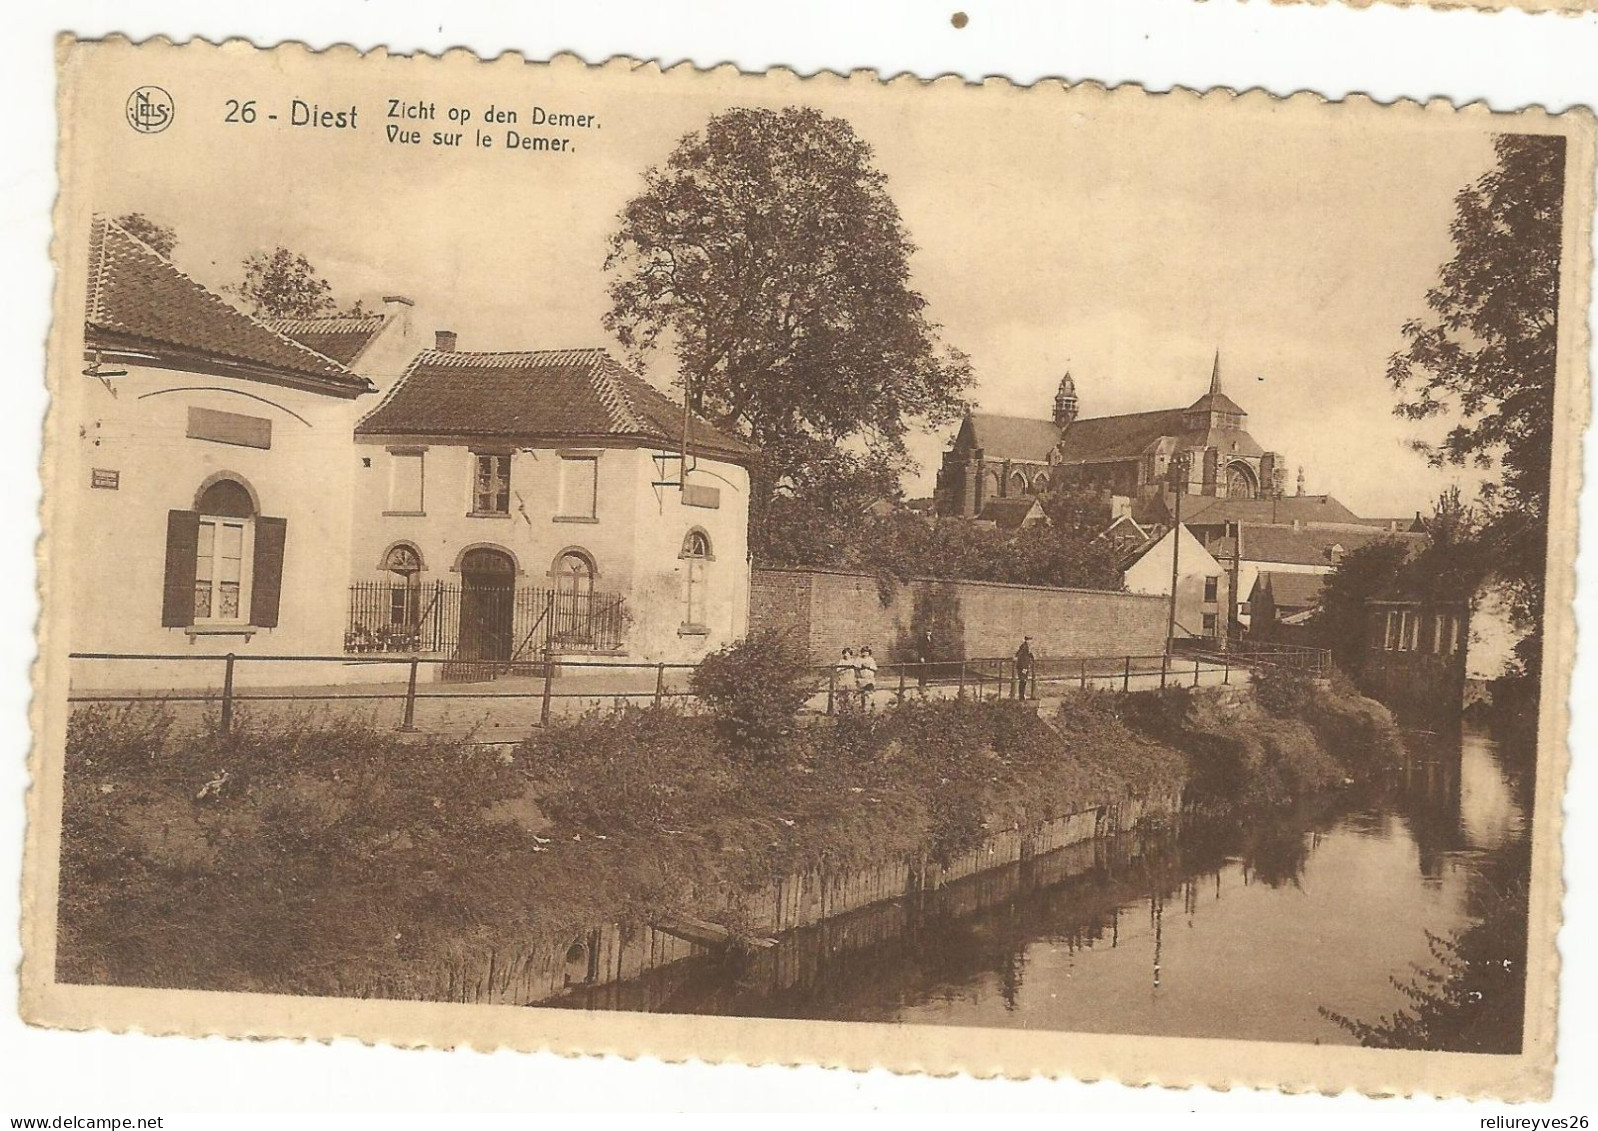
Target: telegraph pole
[1180, 462]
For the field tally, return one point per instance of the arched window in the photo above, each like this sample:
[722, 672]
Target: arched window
[574, 595]
[695, 556]
[991, 484]
[223, 555]
[1017, 483]
[403, 563]
[1240, 481]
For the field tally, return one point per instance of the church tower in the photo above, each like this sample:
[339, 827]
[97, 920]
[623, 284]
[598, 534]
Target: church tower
[1065, 406]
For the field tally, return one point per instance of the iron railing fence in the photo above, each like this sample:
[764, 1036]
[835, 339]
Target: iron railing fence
[836, 688]
[481, 625]
[1316, 662]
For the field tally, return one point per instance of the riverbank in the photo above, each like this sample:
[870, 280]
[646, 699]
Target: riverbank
[324, 858]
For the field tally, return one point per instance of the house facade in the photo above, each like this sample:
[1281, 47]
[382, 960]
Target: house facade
[1203, 585]
[509, 502]
[209, 480]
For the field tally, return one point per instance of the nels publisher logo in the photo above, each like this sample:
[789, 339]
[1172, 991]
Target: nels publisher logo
[150, 109]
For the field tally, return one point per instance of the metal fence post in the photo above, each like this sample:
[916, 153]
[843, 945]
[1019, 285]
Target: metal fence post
[227, 695]
[1165, 662]
[660, 683]
[410, 697]
[832, 688]
[961, 693]
[1126, 676]
[1226, 670]
[1195, 671]
[549, 679]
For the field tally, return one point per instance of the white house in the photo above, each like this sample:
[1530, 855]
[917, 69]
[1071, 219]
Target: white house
[206, 481]
[1202, 584]
[505, 502]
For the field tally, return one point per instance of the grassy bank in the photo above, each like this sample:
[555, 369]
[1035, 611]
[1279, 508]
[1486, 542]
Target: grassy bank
[324, 857]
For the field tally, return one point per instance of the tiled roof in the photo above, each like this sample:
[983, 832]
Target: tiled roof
[1118, 437]
[1013, 437]
[1216, 402]
[1292, 590]
[581, 394]
[1009, 514]
[339, 337]
[1210, 510]
[1309, 546]
[138, 301]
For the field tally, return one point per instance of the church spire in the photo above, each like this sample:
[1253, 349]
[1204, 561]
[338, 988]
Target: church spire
[1215, 376]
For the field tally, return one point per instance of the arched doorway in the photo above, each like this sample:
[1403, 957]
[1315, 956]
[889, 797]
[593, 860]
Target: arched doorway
[574, 596]
[488, 594]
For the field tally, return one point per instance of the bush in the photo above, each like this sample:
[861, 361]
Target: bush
[755, 687]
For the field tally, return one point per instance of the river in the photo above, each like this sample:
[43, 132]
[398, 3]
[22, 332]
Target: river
[1242, 928]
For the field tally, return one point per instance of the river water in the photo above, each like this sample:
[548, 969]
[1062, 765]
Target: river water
[1241, 929]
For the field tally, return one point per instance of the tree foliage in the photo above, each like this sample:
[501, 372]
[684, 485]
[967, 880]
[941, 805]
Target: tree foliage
[799, 532]
[283, 284]
[161, 237]
[768, 253]
[1485, 357]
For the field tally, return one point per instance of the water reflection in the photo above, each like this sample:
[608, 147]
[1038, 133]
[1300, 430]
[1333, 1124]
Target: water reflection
[1240, 929]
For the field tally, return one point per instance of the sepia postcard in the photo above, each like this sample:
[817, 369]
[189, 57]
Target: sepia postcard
[929, 575]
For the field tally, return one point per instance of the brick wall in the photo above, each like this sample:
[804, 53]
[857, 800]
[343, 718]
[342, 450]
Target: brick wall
[968, 619]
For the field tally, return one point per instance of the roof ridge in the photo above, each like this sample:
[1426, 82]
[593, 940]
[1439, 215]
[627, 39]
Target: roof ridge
[208, 295]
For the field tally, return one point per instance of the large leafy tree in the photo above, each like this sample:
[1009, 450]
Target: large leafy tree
[283, 284]
[1485, 355]
[768, 254]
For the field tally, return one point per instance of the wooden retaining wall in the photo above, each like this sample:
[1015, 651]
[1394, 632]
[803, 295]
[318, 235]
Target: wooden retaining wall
[613, 953]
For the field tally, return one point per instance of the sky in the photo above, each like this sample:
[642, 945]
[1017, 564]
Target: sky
[1124, 237]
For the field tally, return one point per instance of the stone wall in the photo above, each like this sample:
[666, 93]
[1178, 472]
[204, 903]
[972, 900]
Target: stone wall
[969, 619]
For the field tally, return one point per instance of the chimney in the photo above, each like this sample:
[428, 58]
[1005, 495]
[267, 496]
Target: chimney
[397, 300]
[444, 341]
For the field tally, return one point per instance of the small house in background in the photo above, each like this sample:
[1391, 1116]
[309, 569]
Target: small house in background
[1415, 653]
[509, 500]
[1282, 605]
[215, 478]
[1012, 515]
[1203, 592]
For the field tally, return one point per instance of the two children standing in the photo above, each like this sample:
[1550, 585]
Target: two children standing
[857, 674]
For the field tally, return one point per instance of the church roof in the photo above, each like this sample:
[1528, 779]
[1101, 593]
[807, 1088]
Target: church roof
[1118, 437]
[1216, 402]
[1012, 437]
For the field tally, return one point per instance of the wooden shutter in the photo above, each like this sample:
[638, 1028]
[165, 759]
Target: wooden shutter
[267, 584]
[182, 550]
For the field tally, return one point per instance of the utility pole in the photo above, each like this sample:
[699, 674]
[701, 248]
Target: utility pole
[1180, 465]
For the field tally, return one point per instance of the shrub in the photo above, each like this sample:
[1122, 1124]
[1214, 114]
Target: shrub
[755, 687]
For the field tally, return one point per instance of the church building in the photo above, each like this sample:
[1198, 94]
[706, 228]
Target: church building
[1130, 455]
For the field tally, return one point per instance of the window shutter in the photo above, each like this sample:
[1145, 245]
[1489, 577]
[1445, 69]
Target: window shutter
[182, 548]
[267, 585]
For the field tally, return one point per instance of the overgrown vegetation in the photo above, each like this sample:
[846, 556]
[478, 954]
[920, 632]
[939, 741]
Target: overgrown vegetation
[1301, 738]
[321, 856]
[754, 687]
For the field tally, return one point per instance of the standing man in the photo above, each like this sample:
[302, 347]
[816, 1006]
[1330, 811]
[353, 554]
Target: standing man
[924, 654]
[1025, 670]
